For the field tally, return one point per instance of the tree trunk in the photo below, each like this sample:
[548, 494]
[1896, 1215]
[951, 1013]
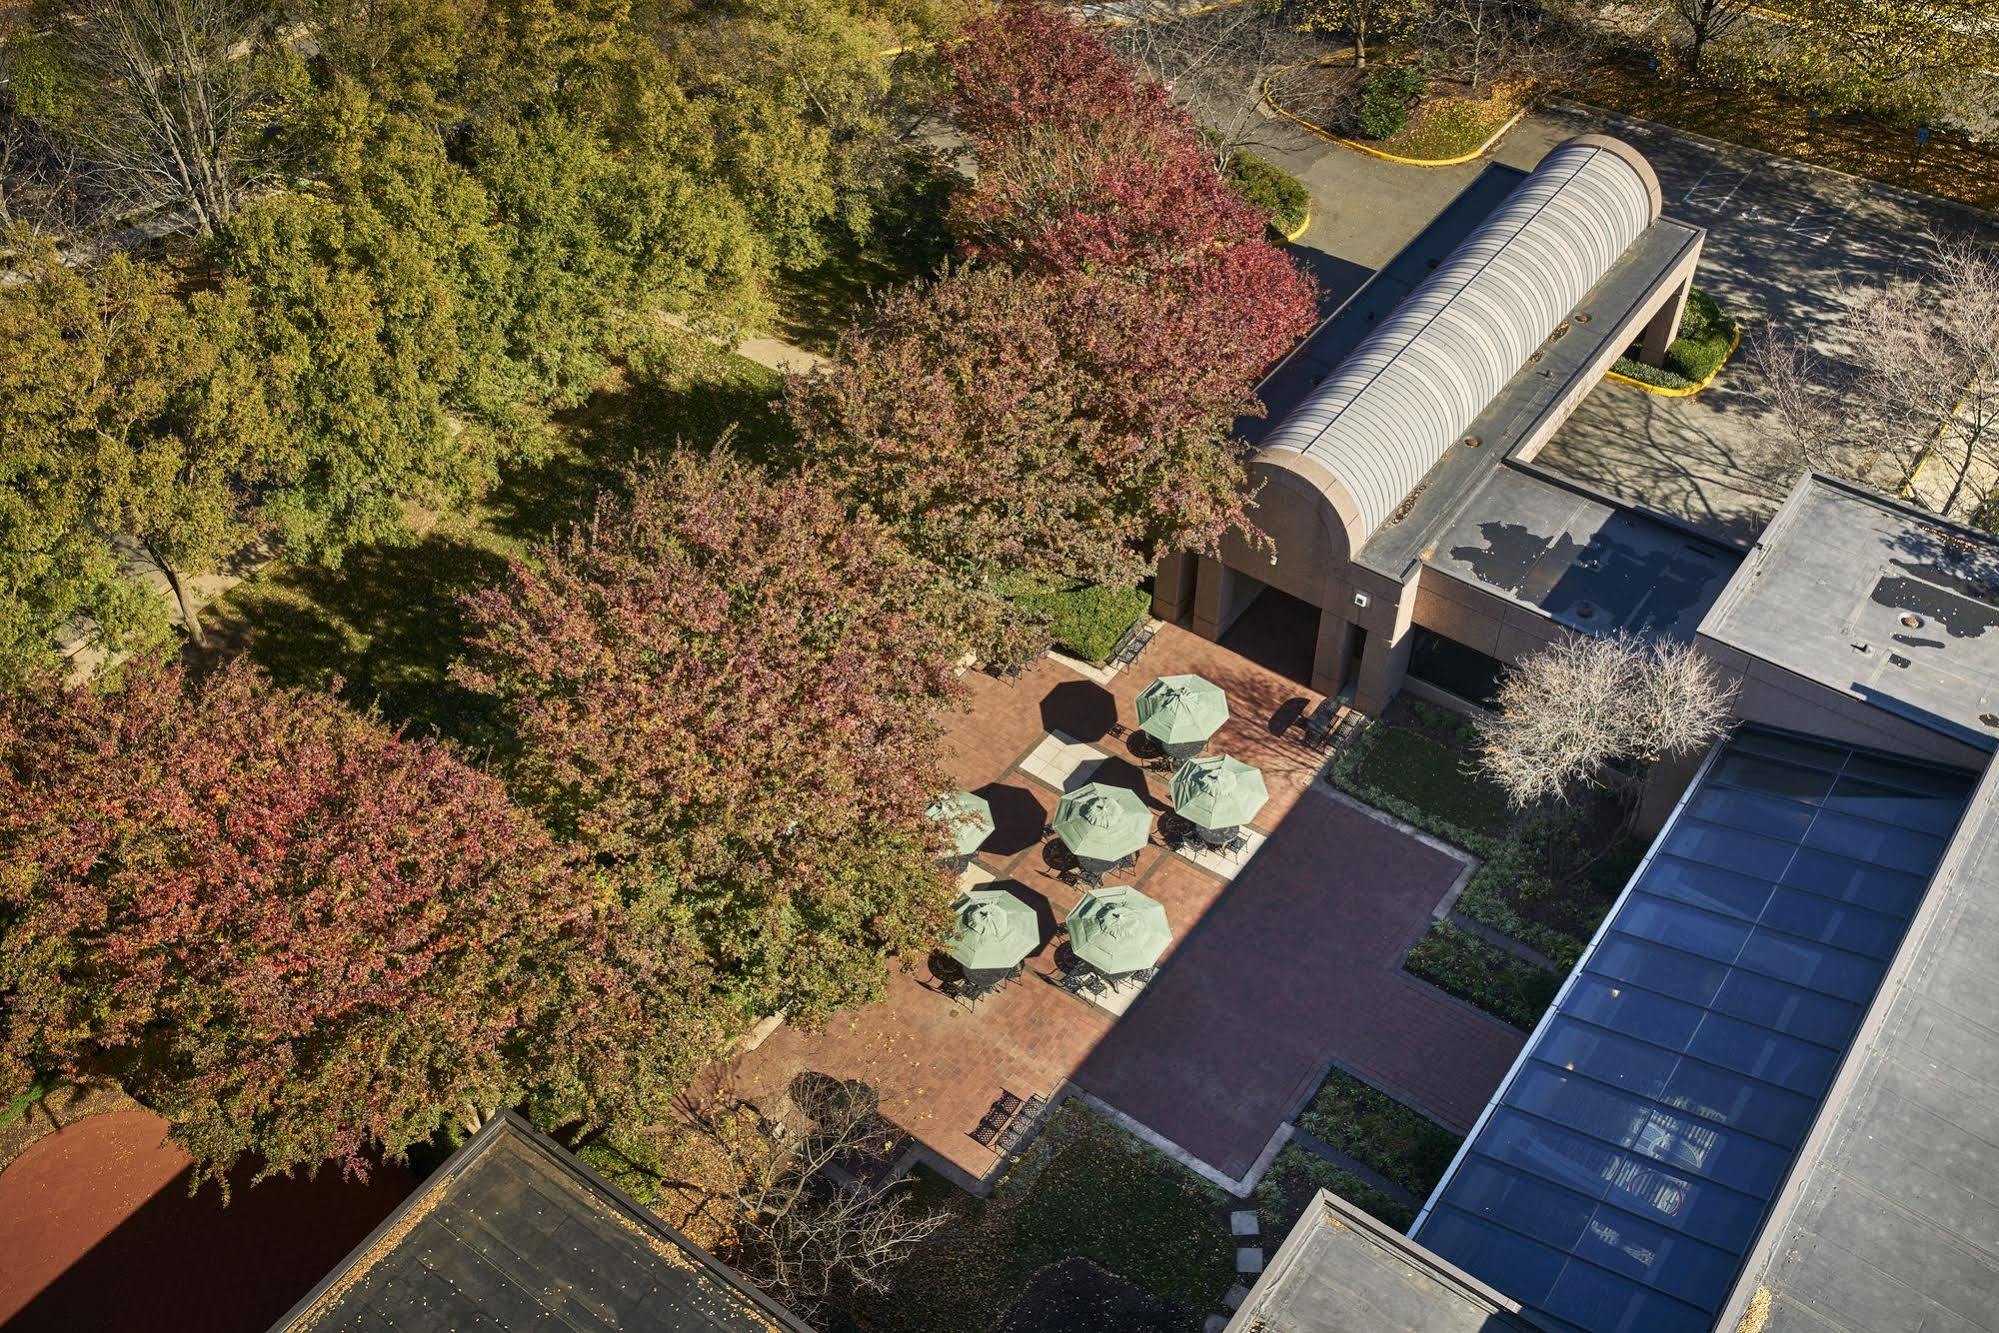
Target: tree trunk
[190, 615]
[1360, 44]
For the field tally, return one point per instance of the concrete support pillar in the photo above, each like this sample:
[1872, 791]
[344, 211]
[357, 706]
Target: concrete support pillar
[1664, 326]
[1220, 595]
[1383, 664]
[1330, 655]
[1173, 588]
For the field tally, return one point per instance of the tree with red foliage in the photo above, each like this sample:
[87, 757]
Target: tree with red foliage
[725, 690]
[1060, 427]
[295, 934]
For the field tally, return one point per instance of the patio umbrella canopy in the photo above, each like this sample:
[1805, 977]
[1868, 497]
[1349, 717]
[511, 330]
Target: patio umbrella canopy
[1119, 930]
[1100, 822]
[1181, 710]
[1218, 792]
[995, 931]
[969, 818]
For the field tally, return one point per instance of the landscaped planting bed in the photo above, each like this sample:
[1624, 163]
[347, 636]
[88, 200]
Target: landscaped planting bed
[1087, 622]
[1425, 782]
[1373, 1128]
[1271, 190]
[1083, 1189]
[1286, 1190]
[1483, 974]
[1706, 337]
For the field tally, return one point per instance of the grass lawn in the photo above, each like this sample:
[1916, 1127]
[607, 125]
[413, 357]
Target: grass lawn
[1446, 126]
[1372, 1127]
[386, 622]
[1286, 1190]
[1084, 1189]
[1951, 165]
[1439, 779]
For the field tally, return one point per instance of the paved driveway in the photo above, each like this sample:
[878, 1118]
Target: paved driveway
[1787, 243]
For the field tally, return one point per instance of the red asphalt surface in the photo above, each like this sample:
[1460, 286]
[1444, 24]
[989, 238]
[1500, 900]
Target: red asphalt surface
[98, 1232]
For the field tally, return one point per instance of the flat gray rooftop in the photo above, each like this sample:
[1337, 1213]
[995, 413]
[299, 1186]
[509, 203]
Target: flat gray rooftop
[1341, 1271]
[1584, 563]
[1877, 600]
[514, 1233]
[1891, 1222]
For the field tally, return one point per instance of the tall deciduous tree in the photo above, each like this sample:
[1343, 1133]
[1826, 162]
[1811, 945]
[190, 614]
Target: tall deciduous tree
[1907, 58]
[1063, 426]
[295, 934]
[172, 99]
[1362, 21]
[725, 692]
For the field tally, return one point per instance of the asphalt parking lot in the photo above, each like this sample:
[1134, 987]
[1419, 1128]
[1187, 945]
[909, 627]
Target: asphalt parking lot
[1788, 245]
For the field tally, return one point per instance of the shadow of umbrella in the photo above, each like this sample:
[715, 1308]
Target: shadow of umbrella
[1080, 709]
[1018, 819]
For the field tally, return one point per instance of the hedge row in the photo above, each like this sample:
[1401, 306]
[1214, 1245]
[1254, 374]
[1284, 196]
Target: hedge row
[1270, 189]
[1461, 963]
[1706, 337]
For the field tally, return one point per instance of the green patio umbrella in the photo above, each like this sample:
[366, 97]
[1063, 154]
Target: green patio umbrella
[1179, 710]
[1100, 822]
[1218, 792]
[995, 930]
[969, 817]
[1118, 930]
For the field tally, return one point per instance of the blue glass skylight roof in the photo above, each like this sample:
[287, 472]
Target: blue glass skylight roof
[1625, 1167]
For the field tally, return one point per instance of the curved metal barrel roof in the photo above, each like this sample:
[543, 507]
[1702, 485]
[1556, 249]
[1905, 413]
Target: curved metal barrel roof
[1409, 391]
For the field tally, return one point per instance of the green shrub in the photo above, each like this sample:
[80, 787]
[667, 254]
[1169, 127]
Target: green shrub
[1349, 773]
[1270, 190]
[1461, 963]
[1706, 337]
[1288, 1187]
[1371, 1127]
[1088, 621]
[1384, 101]
[1438, 779]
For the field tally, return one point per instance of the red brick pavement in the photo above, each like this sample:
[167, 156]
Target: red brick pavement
[1268, 980]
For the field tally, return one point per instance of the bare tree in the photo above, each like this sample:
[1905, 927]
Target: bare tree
[1220, 64]
[1911, 404]
[1571, 712]
[39, 172]
[1479, 41]
[803, 1225]
[1705, 21]
[170, 98]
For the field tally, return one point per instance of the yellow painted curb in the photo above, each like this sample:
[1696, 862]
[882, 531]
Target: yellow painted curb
[1691, 389]
[1294, 235]
[1459, 160]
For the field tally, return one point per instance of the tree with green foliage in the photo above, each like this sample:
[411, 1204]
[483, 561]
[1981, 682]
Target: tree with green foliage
[725, 692]
[1907, 59]
[296, 935]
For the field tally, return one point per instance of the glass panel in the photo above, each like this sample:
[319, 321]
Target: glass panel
[1626, 1008]
[1890, 891]
[1522, 1202]
[1772, 816]
[1849, 976]
[1876, 844]
[1683, 927]
[1853, 928]
[1677, 1140]
[1737, 769]
[1701, 885]
[1802, 1013]
[1713, 1212]
[1762, 1053]
[1594, 1299]
[1674, 1081]
[1887, 805]
[1793, 749]
[1655, 967]
[1745, 853]
[1517, 1266]
[1633, 1248]
[1951, 786]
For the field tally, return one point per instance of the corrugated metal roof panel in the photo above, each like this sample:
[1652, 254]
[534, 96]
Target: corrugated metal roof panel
[1406, 395]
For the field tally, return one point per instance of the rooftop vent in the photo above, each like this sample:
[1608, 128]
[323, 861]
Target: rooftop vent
[1910, 620]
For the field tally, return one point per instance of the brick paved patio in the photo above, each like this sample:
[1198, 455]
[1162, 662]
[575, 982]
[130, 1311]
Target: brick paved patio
[1269, 979]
